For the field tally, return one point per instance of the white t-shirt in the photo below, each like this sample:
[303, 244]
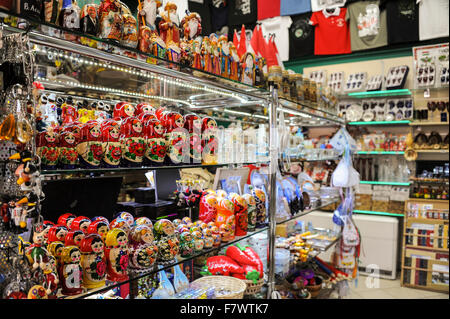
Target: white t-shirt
[319, 5]
[433, 19]
[280, 27]
[182, 6]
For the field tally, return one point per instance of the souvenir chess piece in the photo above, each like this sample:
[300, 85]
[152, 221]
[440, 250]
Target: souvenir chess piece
[169, 24]
[90, 149]
[93, 261]
[111, 146]
[132, 141]
[70, 271]
[89, 19]
[156, 144]
[116, 252]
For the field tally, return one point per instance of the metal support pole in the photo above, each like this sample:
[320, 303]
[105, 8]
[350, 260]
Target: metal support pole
[273, 154]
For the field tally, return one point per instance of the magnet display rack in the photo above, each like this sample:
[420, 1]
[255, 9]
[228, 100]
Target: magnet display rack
[114, 75]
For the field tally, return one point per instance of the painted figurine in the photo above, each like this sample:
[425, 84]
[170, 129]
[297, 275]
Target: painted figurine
[192, 26]
[112, 149]
[251, 211]
[68, 155]
[120, 223]
[197, 54]
[116, 252]
[148, 12]
[169, 25]
[122, 110]
[90, 149]
[143, 250]
[215, 50]
[49, 111]
[74, 238]
[198, 241]
[168, 248]
[235, 63]
[207, 56]
[224, 54]
[69, 18]
[47, 148]
[163, 228]
[57, 233]
[186, 244]
[209, 141]
[100, 227]
[110, 20]
[208, 237]
[158, 47]
[66, 219]
[36, 251]
[132, 141]
[173, 51]
[89, 19]
[225, 219]
[68, 112]
[130, 32]
[193, 124]
[93, 261]
[144, 108]
[240, 213]
[177, 139]
[208, 208]
[81, 223]
[70, 271]
[50, 271]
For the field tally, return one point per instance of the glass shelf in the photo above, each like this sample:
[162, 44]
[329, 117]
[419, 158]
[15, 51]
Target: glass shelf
[373, 94]
[385, 183]
[179, 260]
[305, 212]
[404, 122]
[380, 152]
[367, 212]
[427, 123]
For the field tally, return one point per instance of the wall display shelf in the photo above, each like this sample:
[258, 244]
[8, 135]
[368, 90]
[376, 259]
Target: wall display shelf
[404, 122]
[385, 183]
[424, 123]
[375, 94]
[367, 212]
[323, 203]
[380, 152]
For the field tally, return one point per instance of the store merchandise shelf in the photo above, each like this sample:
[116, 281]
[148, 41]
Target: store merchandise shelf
[380, 152]
[140, 168]
[324, 249]
[403, 122]
[385, 183]
[427, 123]
[422, 181]
[305, 212]
[179, 260]
[373, 94]
[368, 212]
[427, 248]
[325, 159]
[432, 151]
[429, 200]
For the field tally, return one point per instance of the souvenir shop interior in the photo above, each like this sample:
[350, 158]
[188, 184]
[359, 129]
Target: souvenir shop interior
[251, 149]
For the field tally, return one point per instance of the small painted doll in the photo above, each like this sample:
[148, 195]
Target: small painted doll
[47, 148]
[251, 211]
[120, 223]
[173, 52]
[69, 112]
[168, 248]
[74, 238]
[112, 149]
[156, 143]
[68, 154]
[144, 221]
[122, 110]
[80, 223]
[89, 19]
[145, 39]
[47, 225]
[199, 243]
[132, 141]
[143, 250]
[130, 32]
[215, 50]
[57, 233]
[224, 54]
[209, 141]
[147, 14]
[70, 271]
[36, 251]
[144, 108]
[240, 213]
[215, 232]
[248, 69]
[55, 249]
[208, 208]
[187, 57]
[163, 228]
[260, 199]
[177, 139]
[128, 217]
[90, 149]
[49, 111]
[116, 255]
[93, 261]
[110, 20]
[235, 63]
[186, 244]
[100, 227]
[193, 124]
[50, 271]
[158, 46]
[197, 54]
[208, 238]
[207, 64]
[226, 220]
[66, 219]
[169, 25]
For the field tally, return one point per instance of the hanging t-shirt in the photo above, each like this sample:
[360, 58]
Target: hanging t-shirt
[301, 36]
[368, 25]
[219, 14]
[242, 12]
[331, 32]
[319, 5]
[268, 9]
[402, 21]
[292, 7]
[280, 27]
[433, 19]
[202, 7]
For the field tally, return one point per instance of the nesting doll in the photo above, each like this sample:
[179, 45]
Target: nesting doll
[224, 55]
[66, 219]
[68, 155]
[208, 238]
[130, 32]
[128, 217]
[81, 223]
[248, 69]
[69, 17]
[55, 249]
[69, 113]
[112, 149]
[132, 141]
[168, 248]
[208, 208]
[209, 141]
[89, 19]
[37, 292]
[156, 144]
[198, 241]
[116, 252]
[145, 117]
[163, 228]
[47, 225]
[74, 238]
[193, 124]
[57, 233]
[47, 148]
[100, 227]
[120, 223]
[215, 232]
[207, 58]
[186, 244]
[177, 139]
[260, 199]
[240, 213]
[144, 221]
[90, 149]
[93, 261]
[225, 219]
[110, 20]
[143, 108]
[251, 211]
[234, 62]
[122, 110]
[143, 250]
[70, 271]
[145, 39]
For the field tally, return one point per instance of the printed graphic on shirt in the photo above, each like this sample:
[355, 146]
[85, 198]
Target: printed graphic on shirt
[369, 23]
[218, 3]
[302, 29]
[243, 6]
[406, 9]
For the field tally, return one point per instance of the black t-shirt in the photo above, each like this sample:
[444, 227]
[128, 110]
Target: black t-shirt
[202, 7]
[219, 14]
[301, 36]
[402, 21]
[242, 12]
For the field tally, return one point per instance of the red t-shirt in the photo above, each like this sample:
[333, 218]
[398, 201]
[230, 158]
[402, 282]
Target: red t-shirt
[332, 35]
[268, 9]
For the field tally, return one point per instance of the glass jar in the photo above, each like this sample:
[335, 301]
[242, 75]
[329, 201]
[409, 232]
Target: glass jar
[276, 76]
[293, 86]
[285, 85]
[313, 92]
[306, 90]
[300, 96]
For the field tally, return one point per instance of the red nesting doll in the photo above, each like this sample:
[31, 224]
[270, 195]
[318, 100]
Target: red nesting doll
[177, 139]
[68, 141]
[240, 213]
[90, 147]
[66, 219]
[81, 223]
[69, 113]
[156, 144]
[209, 141]
[100, 227]
[74, 238]
[112, 149]
[93, 261]
[122, 110]
[143, 108]
[144, 117]
[47, 148]
[193, 124]
[57, 233]
[132, 141]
